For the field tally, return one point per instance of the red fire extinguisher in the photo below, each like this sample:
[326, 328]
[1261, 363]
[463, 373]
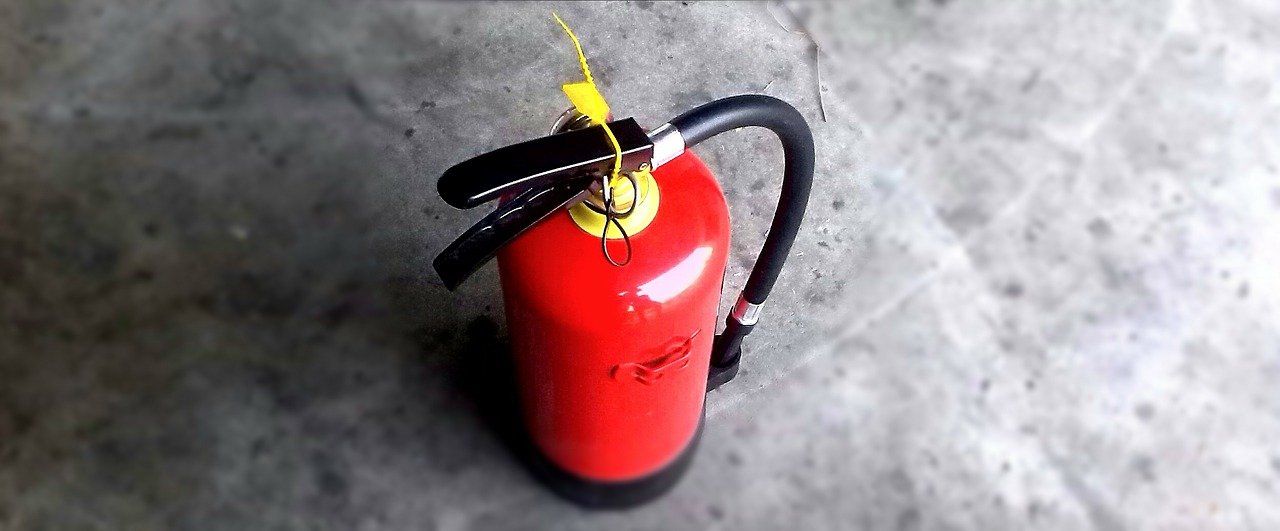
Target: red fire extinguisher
[611, 292]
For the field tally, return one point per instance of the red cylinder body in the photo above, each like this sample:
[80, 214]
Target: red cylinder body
[612, 361]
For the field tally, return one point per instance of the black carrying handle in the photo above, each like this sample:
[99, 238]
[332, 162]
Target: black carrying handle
[543, 162]
[482, 241]
[538, 177]
[797, 177]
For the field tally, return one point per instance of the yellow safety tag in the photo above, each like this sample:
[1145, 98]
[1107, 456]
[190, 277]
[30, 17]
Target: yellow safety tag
[587, 99]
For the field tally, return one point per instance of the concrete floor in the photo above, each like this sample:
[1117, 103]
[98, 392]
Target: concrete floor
[1037, 287]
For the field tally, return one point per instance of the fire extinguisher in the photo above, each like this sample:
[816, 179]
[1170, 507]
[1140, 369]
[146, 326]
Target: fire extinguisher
[614, 354]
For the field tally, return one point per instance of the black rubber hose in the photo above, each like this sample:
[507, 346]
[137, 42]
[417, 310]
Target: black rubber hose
[797, 174]
[797, 178]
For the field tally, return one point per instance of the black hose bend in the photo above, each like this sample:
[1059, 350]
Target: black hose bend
[797, 178]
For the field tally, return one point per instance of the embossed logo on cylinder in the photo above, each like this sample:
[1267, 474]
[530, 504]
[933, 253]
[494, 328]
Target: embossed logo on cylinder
[672, 356]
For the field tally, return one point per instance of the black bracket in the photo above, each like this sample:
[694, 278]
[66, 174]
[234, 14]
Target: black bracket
[722, 373]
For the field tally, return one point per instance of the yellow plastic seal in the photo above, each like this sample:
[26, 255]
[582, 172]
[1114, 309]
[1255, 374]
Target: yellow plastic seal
[640, 203]
[586, 98]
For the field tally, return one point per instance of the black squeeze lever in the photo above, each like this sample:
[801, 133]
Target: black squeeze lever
[543, 161]
[483, 240]
[545, 175]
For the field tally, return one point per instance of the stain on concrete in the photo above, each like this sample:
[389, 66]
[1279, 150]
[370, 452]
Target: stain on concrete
[1144, 411]
[1100, 228]
[1144, 465]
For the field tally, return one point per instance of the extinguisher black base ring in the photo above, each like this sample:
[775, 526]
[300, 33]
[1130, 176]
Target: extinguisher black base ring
[592, 494]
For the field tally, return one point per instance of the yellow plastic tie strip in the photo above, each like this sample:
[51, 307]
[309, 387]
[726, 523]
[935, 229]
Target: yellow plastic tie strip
[586, 98]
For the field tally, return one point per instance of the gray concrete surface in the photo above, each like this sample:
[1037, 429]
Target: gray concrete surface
[1037, 289]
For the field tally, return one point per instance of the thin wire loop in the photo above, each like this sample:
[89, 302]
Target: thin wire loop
[612, 217]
